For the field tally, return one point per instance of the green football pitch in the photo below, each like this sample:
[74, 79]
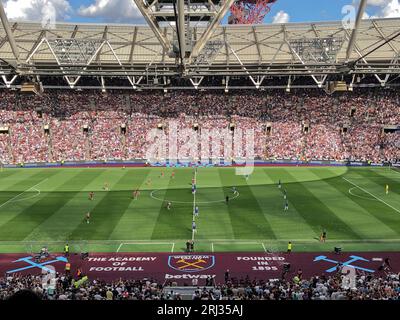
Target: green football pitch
[47, 207]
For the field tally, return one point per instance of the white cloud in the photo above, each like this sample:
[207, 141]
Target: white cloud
[382, 8]
[112, 11]
[376, 2]
[34, 9]
[391, 10]
[281, 17]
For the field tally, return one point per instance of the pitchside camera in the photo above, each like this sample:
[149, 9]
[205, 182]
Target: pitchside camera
[286, 267]
[84, 255]
[337, 250]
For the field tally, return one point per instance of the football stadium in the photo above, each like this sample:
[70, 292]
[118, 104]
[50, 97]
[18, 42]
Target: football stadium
[204, 154]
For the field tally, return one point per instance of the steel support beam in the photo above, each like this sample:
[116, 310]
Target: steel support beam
[259, 80]
[9, 33]
[165, 43]
[38, 40]
[211, 28]
[7, 82]
[196, 81]
[104, 38]
[182, 28]
[73, 35]
[353, 38]
[4, 40]
[257, 45]
[296, 55]
[396, 52]
[358, 51]
[133, 45]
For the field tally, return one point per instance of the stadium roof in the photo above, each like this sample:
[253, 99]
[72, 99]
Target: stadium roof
[311, 49]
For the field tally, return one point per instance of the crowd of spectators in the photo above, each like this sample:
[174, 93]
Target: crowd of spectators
[337, 287]
[304, 124]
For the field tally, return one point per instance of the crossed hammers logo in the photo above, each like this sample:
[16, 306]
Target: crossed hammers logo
[32, 264]
[191, 264]
[346, 263]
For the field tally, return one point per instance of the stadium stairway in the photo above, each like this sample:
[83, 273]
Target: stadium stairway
[49, 142]
[123, 142]
[9, 147]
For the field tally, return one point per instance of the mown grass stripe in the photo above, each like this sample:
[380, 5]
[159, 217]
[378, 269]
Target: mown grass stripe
[107, 213]
[177, 222]
[139, 218]
[315, 212]
[214, 221]
[360, 213]
[69, 216]
[10, 190]
[379, 178]
[247, 218]
[285, 225]
[7, 174]
[32, 216]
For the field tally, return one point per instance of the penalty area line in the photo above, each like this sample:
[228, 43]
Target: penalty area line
[366, 191]
[10, 200]
[145, 243]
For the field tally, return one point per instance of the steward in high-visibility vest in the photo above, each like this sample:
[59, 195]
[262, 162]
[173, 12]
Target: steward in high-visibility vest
[67, 267]
[66, 249]
[289, 247]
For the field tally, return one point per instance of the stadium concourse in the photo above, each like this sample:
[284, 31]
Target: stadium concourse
[305, 125]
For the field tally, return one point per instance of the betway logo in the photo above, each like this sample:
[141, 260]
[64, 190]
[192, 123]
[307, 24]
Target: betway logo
[189, 276]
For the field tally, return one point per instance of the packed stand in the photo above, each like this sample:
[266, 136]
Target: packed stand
[121, 126]
[336, 287]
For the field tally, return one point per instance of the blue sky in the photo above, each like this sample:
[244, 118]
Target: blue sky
[124, 11]
[309, 10]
